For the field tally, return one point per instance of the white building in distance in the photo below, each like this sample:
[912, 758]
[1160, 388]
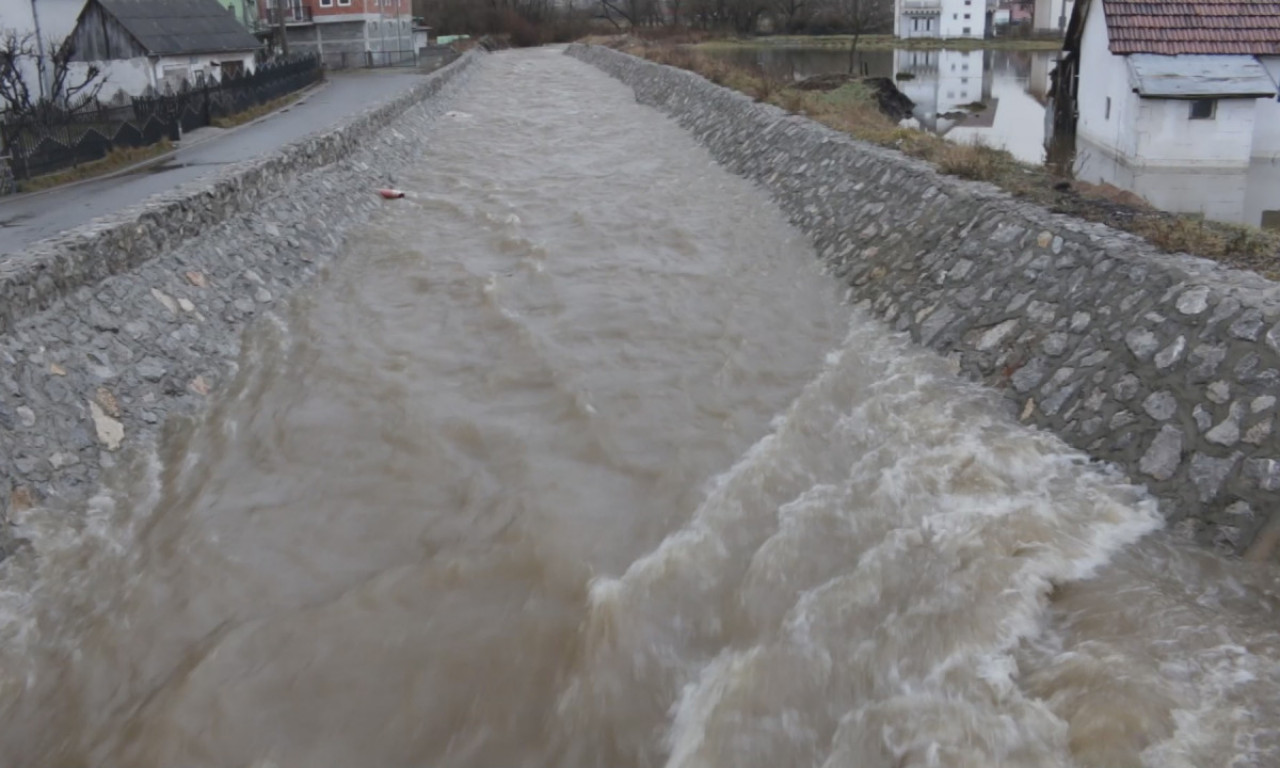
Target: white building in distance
[940, 18]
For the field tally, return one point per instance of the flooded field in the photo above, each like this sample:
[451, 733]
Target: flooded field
[999, 97]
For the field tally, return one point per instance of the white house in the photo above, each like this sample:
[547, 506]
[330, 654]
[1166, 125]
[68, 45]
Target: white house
[1155, 86]
[1176, 101]
[159, 44]
[940, 18]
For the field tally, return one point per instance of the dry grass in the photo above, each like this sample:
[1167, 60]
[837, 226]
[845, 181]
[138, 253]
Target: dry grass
[975, 161]
[853, 110]
[113, 161]
[253, 113]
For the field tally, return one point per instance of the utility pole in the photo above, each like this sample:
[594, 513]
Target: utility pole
[284, 41]
[35, 17]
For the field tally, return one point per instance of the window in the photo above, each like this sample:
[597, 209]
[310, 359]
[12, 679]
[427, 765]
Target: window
[966, 30]
[915, 24]
[965, 67]
[955, 16]
[326, 3]
[1107, 116]
[966, 17]
[1203, 109]
[964, 81]
[344, 2]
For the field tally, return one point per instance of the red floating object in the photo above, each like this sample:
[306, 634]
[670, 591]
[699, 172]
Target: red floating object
[391, 194]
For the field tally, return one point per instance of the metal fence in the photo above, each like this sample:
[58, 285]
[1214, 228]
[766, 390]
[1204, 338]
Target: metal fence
[54, 138]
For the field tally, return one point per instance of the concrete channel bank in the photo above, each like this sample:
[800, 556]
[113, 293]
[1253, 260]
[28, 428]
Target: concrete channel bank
[1165, 365]
[106, 329]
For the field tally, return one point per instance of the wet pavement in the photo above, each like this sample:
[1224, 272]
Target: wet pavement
[27, 219]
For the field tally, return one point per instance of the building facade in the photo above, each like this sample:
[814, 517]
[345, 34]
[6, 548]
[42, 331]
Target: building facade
[940, 18]
[347, 33]
[158, 45]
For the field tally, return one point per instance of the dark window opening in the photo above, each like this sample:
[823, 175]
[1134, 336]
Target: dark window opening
[1203, 109]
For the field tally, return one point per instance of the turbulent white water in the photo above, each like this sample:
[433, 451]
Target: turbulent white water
[577, 460]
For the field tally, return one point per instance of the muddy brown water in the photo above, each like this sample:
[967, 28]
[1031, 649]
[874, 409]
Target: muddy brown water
[577, 459]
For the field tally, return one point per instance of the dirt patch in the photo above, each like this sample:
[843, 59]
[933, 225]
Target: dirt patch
[891, 101]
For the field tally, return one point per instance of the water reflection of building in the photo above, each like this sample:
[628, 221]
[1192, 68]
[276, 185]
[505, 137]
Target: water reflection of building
[943, 84]
[1238, 195]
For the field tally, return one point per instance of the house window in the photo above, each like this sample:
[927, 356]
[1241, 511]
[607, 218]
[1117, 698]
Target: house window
[955, 16]
[326, 3]
[966, 30]
[1107, 116]
[1203, 109]
[915, 24]
[964, 81]
[966, 16]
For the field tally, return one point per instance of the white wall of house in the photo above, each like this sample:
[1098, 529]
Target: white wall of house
[1266, 121]
[194, 69]
[1168, 137]
[1107, 105]
[954, 21]
[133, 76]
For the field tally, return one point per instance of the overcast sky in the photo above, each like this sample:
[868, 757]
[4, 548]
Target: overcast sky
[57, 17]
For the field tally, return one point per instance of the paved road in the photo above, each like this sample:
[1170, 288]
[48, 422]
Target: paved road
[28, 219]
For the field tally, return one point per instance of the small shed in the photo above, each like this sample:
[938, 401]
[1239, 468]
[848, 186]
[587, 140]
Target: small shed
[158, 45]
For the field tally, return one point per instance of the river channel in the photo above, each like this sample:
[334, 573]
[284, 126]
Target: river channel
[577, 459]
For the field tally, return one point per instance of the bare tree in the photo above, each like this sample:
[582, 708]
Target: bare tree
[860, 17]
[19, 56]
[791, 13]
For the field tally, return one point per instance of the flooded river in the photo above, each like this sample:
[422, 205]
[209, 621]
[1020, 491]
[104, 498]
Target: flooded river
[578, 460]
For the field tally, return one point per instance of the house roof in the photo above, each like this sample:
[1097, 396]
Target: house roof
[1191, 76]
[1173, 27]
[178, 27]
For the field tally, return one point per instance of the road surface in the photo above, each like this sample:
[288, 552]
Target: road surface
[26, 219]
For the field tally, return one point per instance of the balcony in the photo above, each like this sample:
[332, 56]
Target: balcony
[921, 7]
[294, 13]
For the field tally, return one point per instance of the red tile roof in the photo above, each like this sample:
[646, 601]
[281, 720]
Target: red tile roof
[1204, 26]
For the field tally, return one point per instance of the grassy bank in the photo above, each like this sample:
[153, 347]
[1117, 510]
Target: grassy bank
[885, 43]
[253, 113]
[852, 109]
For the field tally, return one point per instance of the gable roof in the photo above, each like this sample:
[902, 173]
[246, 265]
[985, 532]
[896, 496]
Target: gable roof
[1173, 27]
[179, 27]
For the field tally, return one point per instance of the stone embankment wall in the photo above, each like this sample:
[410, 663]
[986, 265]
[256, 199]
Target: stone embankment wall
[1165, 365]
[108, 328]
